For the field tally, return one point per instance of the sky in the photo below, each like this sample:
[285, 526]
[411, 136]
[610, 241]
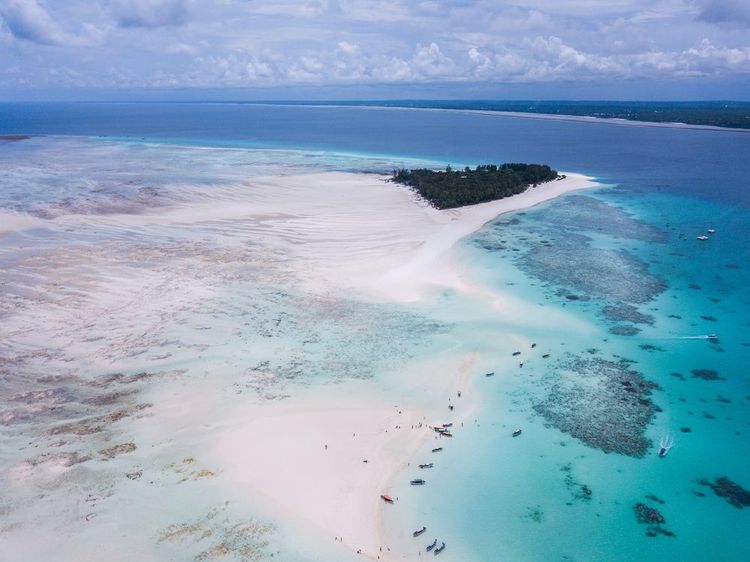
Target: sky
[369, 49]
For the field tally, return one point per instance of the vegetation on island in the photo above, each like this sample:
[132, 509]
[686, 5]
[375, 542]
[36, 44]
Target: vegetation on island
[456, 188]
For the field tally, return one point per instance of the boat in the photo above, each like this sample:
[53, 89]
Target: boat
[386, 498]
[663, 452]
[440, 549]
[545, 356]
[712, 336]
[428, 465]
[516, 433]
[417, 482]
[711, 230]
[419, 532]
[446, 433]
[533, 345]
[431, 546]
[449, 424]
[702, 237]
[437, 450]
[516, 353]
[489, 374]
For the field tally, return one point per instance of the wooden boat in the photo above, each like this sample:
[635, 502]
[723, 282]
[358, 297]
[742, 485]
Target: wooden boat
[428, 465]
[516, 353]
[440, 549]
[516, 433]
[419, 532]
[431, 546]
[417, 482]
[446, 433]
[533, 345]
[437, 449]
[545, 356]
[386, 498]
[449, 424]
[489, 374]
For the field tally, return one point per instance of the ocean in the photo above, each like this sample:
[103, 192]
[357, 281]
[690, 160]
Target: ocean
[645, 328]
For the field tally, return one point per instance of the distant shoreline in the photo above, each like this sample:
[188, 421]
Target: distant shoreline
[491, 112]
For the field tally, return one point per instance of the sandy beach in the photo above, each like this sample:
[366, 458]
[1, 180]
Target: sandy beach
[314, 450]
[171, 307]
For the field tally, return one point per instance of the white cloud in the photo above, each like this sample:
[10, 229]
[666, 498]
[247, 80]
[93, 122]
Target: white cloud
[30, 21]
[733, 13]
[150, 13]
[215, 43]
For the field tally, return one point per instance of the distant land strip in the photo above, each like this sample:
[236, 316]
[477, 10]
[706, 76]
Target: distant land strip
[722, 114]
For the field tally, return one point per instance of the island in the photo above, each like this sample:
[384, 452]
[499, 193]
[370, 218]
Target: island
[449, 188]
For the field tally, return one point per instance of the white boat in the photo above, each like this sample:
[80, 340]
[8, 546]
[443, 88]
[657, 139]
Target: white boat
[702, 237]
[711, 230]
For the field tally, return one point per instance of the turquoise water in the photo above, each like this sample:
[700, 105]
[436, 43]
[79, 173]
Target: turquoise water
[524, 497]
[613, 284]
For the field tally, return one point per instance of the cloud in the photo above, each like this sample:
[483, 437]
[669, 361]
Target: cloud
[150, 13]
[237, 43]
[724, 12]
[30, 21]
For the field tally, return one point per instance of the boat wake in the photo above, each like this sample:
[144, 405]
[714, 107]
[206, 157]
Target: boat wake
[665, 444]
[703, 337]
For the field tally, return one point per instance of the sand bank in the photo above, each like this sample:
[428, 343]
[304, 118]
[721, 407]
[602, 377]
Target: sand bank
[162, 285]
[307, 457]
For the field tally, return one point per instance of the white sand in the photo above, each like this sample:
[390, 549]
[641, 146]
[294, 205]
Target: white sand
[330, 234]
[343, 230]
[395, 253]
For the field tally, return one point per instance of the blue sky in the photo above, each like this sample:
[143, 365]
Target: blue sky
[294, 49]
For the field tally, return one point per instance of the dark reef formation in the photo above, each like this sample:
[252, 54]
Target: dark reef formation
[650, 516]
[729, 490]
[605, 404]
[707, 375]
[626, 313]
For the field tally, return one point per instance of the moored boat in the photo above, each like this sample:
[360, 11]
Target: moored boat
[489, 374]
[428, 465]
[516, 433]
[437, 449]
[440, 549]
[386, 498]
[417, 482]
[431, 546]
[419, 532]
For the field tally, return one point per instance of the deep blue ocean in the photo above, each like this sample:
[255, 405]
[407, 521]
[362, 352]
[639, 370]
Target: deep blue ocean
[584, 481]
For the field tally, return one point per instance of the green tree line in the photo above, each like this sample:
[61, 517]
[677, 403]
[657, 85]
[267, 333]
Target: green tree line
[457, 188]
